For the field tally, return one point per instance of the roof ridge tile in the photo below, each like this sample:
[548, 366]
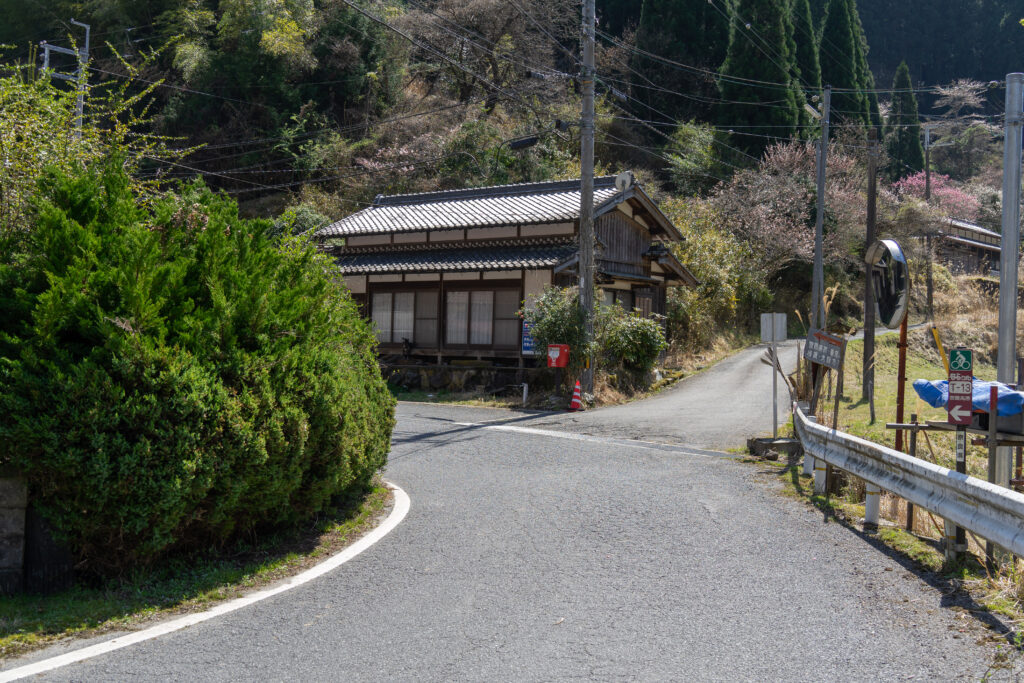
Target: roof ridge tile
[513, 189]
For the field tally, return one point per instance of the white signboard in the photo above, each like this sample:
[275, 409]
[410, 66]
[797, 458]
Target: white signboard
[773, 327]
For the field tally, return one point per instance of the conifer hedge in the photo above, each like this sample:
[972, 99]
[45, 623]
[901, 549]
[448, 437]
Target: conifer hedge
[171, 375]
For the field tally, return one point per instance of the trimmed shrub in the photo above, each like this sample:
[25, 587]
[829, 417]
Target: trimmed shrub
[625, 341]
[172, 376]
[632, 342]
[557, 318]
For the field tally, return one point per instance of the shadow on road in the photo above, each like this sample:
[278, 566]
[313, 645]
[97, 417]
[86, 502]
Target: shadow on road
[951, 588]
[458, 432]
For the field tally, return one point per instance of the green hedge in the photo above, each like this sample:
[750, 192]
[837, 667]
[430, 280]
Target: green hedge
[171, 376]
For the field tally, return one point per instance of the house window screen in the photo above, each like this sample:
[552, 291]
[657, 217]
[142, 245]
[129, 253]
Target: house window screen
[457, 318]
[403, 316]
[426, 318]
[507, 325]
[382, 315]
[481, 318]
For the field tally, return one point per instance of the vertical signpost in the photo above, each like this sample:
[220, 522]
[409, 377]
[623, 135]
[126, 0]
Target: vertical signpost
[773, 330]
[958, 407]
[961, 379]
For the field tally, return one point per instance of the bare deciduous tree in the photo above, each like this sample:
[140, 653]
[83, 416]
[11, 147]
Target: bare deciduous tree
[969, 132]
[772, 207]
[500, 46]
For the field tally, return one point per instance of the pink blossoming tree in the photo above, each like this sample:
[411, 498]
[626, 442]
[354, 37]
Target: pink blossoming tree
[952, 200]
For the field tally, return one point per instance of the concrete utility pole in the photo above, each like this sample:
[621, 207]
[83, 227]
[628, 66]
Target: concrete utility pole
[1006, 362]
[587, 188]
[868, 385]
[818, 280]
[927, 199]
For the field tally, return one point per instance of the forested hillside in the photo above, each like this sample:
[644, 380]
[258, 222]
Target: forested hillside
[304, 110]
[944, 41]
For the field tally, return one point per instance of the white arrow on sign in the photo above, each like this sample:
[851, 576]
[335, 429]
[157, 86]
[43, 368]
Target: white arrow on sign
[959, 412]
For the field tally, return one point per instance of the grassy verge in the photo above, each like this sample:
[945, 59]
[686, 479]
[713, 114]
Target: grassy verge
[185, 584]
[923, 362]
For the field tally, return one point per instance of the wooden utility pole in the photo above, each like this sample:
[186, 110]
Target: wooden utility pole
[868, 385]
[928, 146]
[586, 262]
[818, 276]
[901, 380]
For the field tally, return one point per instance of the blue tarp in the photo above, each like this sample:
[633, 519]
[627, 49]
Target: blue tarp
[936, 394]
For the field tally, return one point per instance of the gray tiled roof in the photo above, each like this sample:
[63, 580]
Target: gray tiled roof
[971, 227]
[547, 202]
[503, 255]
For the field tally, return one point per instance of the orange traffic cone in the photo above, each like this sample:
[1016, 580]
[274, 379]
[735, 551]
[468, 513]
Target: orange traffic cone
[577, 399]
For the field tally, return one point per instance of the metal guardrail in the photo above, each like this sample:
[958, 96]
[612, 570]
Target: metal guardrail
[992, 512]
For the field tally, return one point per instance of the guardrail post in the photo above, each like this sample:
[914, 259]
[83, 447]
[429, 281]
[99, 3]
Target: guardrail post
[820, 477]
[872, 498]
[820, 468]
[808, 458]
[949, 543]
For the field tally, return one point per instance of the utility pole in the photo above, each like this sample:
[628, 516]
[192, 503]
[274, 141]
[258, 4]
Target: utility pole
[927, 200]
[80, 76]
[586, 263]
[999, 471]
[818, 280]
[868, 385]
[928, 145]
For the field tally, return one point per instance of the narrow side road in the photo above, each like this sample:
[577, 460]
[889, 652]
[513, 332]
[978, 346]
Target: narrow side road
[719, 407]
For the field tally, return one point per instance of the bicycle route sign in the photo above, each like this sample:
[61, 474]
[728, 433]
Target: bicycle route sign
[961, 378]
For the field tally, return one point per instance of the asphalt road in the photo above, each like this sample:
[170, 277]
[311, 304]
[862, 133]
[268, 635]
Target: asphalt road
[719, 407]
[530, 555]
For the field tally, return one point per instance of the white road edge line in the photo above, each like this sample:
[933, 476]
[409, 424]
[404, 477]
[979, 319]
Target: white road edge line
[635, 443]
[399, 512]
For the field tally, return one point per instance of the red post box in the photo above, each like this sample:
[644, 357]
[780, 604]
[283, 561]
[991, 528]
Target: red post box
[558, 355]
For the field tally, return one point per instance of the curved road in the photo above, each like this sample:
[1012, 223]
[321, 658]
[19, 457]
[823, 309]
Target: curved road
[534, 553]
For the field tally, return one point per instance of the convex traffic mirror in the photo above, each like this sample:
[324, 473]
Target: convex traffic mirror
[891, 281]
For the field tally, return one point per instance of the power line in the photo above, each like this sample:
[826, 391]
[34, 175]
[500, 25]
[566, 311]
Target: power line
[748, 81]
[750, 27]
[540, 26]
[161, 84]
[382, 169]
[430, 48]
[528, 65]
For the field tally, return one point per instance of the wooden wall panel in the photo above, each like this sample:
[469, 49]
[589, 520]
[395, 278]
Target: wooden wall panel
[624, 244]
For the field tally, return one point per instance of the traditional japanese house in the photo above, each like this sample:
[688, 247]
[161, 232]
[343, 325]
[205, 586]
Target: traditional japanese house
[443, 274]
[968, 248]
